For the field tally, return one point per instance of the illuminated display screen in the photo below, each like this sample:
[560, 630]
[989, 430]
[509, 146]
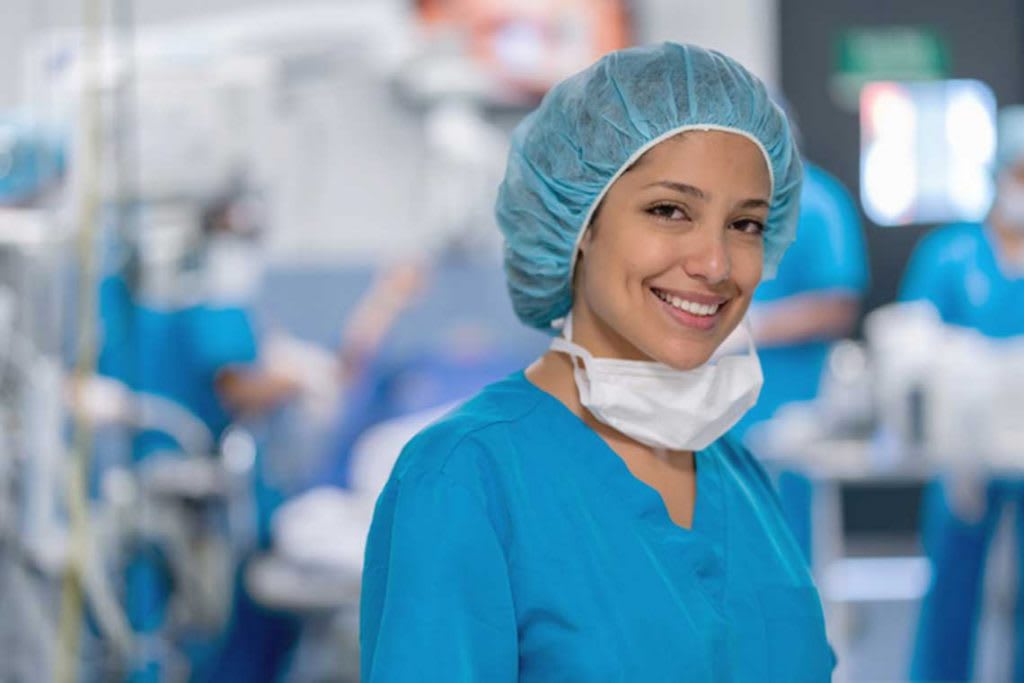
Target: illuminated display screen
[926, 151]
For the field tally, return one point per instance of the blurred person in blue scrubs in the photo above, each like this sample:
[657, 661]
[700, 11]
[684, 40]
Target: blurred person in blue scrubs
[176, 324]
[813, 301]
[259, 644]
[974, 276]
[588, 518]
[176, 321]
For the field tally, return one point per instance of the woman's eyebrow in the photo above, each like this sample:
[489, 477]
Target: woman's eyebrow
[754, 204]
[693, 191]
[680, 187]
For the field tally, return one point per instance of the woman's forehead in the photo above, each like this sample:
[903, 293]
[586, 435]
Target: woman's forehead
[698, 152]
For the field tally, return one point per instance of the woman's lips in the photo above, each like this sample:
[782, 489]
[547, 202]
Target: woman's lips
[704, 313]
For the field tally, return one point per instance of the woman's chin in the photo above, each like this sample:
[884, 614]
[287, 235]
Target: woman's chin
[689, 360]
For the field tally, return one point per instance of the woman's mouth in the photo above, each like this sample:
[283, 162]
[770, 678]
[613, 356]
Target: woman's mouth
[700, 314]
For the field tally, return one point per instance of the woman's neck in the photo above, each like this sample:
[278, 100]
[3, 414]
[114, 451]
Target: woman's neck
[553, 374]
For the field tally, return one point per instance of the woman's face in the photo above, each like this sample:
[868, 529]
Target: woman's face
[667, 270]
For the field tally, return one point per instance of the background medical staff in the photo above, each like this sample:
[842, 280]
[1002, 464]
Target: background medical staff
[813, 300]
[169, 330]
[260, 642]
[176, 324]
[974, 275]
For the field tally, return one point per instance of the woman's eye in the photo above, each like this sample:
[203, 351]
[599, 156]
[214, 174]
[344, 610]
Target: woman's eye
[669, 212]
[749, 226]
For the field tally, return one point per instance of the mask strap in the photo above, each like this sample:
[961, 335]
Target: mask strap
[749, 334]
[732, 347]
[565, 344]
[567, 347]
[576, 354]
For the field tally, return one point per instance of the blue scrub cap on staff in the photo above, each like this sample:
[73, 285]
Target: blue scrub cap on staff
[32, 157]
[593, 126]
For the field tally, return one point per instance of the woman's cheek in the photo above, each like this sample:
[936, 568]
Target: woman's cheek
[747, 265]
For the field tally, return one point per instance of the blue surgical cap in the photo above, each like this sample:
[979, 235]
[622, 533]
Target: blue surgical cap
[1010, 136]
[593, 126]
[31, 158]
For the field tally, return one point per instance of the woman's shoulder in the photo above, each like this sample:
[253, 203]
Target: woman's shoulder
[471, 435]
[742, 464]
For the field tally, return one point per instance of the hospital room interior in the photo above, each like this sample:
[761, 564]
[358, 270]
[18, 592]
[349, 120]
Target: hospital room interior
[249, 249]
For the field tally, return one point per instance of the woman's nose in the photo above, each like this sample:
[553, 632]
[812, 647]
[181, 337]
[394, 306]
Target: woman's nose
[706, 256]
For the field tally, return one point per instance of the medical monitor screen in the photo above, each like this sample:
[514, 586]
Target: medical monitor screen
[926, 151]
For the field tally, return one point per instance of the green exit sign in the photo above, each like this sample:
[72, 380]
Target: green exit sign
[885, 53]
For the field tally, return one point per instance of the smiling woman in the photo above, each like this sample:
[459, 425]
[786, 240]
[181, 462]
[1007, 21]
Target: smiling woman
[586, 519]
[672, 257]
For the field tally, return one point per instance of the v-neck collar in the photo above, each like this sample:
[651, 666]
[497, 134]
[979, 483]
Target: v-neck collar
[641, 499]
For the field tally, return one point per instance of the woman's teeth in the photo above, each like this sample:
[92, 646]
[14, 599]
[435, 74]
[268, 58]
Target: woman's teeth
[691, 307]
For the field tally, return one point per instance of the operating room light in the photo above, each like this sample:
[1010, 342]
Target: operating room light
[927, 150]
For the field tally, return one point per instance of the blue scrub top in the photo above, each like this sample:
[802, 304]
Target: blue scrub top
[173, 353]
[955, 267]
[512, 544]
[827, 256]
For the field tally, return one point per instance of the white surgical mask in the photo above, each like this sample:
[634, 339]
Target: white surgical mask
[233, 269]
[663, 407]
[1010, 206]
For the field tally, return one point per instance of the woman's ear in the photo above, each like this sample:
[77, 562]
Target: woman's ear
[580, 251]
[588, 237]
[590, 230]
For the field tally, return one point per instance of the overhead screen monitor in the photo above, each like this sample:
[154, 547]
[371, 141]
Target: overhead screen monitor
[532, 44]
[926, 151]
